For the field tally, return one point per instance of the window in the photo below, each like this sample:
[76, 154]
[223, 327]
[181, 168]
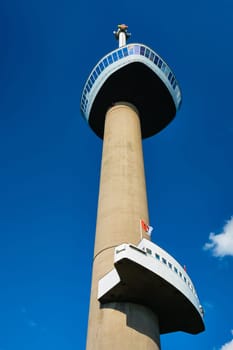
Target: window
[147, 54]
[131, 50]
[170, 76]
[156, 59]
[125, 51]
[148, 251]
[114, 55]
[175, 269]
[164, 260]
[120, 53]
[142, 50]
[88, 88]
[137, 49]
[185, 279]
[170, 265]
[152, 56]
[172, 80]
[98, 70]
[166, 71]
[174, 85]
[94, 75]
[180, 274]
[105, 62]
[101, 66]
[157, 256]
[110, 60]
[160, 63]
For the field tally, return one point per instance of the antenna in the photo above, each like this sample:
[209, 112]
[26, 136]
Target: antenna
[122, 35]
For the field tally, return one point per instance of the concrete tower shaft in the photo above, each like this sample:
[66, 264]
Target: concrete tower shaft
[122, 202]
[122, 195]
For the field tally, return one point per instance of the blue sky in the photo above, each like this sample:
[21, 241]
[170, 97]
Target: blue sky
[50, 162]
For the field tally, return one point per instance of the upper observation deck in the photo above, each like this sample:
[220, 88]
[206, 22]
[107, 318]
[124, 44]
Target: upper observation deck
[136, 74]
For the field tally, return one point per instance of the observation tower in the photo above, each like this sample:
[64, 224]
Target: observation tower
[139, 290]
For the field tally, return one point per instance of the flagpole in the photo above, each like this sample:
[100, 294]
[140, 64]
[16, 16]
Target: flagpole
[140, 222]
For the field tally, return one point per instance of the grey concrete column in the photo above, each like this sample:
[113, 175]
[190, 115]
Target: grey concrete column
[122, 203]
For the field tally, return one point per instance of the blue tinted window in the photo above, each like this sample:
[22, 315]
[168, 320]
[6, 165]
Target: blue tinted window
[152, 56]
[170, 76]
[105, 62]
[174, 85]
[92, 79]
[98, 70]
[175, 269]
[95, 75]
[120, 53]
[163, 67]
[137, 49]
[101, 66]
[110, 60]
[85, 92]
[142, 50]
[88, 89]
[172, 80]
[156, 59]
[157, 256]
[164, 260]
[125, 51]
[147, 54]
[160, 63]
[131, 50]
[115, 58]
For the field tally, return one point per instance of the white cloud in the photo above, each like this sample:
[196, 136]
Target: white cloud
[222, 244]
[227, 346]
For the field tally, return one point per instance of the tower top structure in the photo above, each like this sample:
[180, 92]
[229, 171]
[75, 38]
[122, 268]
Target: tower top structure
[135, 74]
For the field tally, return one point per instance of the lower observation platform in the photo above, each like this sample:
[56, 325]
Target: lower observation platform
[149, 276]
[134, 74]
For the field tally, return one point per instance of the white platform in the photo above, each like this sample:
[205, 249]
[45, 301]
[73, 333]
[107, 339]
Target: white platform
[149, 276]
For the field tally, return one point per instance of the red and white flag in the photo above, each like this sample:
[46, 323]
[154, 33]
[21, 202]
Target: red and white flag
[148, 229]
